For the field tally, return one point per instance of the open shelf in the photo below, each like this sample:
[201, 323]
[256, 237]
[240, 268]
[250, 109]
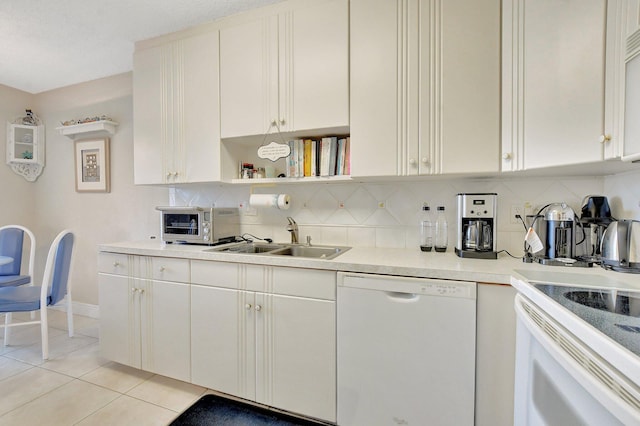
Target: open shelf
[90, 129]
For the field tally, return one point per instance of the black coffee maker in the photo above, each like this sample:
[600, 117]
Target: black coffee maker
[596, 215]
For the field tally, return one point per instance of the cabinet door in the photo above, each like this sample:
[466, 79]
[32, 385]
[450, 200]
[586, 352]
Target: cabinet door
[554, 59]
[467, 139]
[314, 66]
[248, 77]
[176, 125]
[223, 340]
[165, 321]
[296, 355]
[435, 70]
[119, 319]
[200, 112]
[150, 122]
[376, 95]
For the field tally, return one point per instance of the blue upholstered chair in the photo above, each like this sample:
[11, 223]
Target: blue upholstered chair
[11, 243]
[55, 285]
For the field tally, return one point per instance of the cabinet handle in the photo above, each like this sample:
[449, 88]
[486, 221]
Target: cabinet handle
[247, 306]
[605, 138]
[258, 307]
[506, 156]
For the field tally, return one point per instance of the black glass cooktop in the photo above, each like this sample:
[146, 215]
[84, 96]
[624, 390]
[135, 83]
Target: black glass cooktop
[615, 313]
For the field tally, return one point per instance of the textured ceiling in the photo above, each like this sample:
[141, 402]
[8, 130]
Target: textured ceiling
[47, 44]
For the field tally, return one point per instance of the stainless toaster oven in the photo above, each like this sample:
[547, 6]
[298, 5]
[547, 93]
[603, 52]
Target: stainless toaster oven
[199, 225]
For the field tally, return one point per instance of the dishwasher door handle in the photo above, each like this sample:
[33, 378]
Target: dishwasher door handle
[397, 296]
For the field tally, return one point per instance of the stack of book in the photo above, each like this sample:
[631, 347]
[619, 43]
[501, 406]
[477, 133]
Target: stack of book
[328, 156]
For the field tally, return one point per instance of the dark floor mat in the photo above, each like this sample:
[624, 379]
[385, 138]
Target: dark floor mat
[219, 411]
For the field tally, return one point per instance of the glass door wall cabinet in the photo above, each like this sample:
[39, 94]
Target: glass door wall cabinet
[25, 150]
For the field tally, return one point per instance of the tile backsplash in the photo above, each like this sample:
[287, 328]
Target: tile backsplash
[386, 214]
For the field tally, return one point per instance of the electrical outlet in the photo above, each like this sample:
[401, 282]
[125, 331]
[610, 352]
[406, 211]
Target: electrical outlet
[516, 209]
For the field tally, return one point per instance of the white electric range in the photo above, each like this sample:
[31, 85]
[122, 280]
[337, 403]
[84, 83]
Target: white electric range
[577, 349]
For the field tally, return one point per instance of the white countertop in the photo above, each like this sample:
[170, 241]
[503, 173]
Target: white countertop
[404, 262]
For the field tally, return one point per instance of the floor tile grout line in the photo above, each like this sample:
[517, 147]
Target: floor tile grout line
[39, 396]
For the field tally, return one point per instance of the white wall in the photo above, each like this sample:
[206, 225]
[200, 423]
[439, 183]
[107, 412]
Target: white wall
[623, 193]
[123, 214]
[16, 194]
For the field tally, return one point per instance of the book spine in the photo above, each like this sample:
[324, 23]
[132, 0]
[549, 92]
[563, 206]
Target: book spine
[307, 157]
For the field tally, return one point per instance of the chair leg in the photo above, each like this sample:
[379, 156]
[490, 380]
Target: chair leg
[69, 315]
[44, 329]
[7, 329]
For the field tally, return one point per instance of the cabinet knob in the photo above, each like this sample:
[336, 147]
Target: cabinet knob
[247, 306]
[141, 290]
[506, 156]
[605, 138]
[116, 264]
[412, 161]
[282, 122]
[134, 290]
[425, 160]
[258, 307]
[161, 269]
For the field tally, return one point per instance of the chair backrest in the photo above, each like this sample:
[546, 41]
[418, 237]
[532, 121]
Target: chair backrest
[56, 272]
[11, 244]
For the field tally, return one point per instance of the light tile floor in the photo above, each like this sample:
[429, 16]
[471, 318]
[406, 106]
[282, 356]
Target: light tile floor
[75, 386]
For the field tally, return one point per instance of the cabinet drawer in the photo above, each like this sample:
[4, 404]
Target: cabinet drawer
[304, 283]
[113, 263]
[170, 269]
[217, 274]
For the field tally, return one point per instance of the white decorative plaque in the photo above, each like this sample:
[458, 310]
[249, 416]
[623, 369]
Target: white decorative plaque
[274, 150]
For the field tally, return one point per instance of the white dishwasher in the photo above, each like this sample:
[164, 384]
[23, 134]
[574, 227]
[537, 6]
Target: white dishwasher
[406, 351]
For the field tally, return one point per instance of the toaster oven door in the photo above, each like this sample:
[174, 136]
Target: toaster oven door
[181, 225]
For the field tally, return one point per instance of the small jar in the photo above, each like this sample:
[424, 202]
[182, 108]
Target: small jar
[259, 173]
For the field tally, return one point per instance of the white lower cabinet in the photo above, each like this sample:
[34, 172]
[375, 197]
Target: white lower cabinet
[142, 317]
[275, 349]
[495, 354]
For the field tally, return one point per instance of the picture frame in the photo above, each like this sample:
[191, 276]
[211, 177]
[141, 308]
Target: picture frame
[92, 165]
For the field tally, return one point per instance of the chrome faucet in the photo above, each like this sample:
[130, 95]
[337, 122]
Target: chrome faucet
[293, 228]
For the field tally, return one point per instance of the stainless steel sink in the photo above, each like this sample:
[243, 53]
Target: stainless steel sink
[293, 250]
[248, 248]
[316, 252]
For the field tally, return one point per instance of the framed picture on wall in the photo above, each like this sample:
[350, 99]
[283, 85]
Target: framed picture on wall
[92, 165]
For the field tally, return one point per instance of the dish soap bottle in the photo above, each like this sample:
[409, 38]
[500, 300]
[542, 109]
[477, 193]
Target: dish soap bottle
[441, 231]
[426, 229]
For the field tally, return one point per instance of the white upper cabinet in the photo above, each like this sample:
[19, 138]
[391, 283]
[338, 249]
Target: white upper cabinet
[425, 87]
[562, 82]
[289, 67]
[176, 111]
[631, 145]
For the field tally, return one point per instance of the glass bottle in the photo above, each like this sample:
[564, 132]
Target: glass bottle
[441, 231]
[426, 229]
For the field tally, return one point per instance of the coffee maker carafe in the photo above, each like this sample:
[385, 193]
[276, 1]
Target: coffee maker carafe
[476, 225]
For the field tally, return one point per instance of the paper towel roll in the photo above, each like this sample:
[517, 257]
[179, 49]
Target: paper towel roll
[279, 201]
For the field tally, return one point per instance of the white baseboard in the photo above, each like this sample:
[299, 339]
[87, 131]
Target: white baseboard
[84, 309]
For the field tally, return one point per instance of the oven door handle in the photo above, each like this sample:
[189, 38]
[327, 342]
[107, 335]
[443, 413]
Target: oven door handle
[621, 398]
